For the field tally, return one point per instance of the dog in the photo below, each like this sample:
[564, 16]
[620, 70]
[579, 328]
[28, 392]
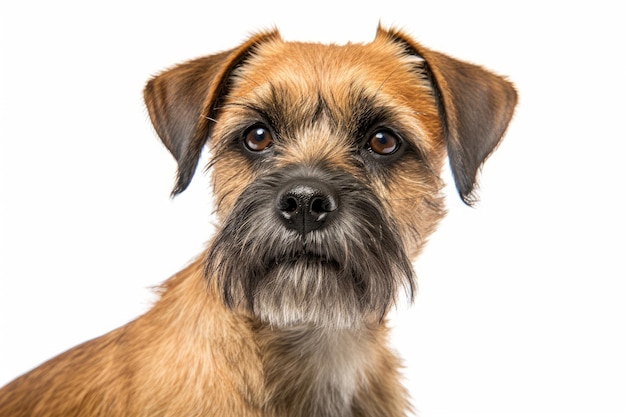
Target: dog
[326, 164]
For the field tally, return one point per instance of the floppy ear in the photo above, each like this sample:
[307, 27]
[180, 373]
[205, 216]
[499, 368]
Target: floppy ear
[183, 101]
[475, 108]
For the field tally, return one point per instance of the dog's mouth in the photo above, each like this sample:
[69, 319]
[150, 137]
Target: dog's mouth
[306, 252]
[307, 258]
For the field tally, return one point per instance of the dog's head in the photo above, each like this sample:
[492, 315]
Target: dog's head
[325, 164]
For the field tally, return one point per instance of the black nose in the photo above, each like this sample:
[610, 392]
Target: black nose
[306, 204]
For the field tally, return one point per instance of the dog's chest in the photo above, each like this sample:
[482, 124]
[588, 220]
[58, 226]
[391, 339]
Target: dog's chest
[313, 372]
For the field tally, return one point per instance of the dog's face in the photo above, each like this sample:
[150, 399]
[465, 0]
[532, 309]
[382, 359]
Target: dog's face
[325, 164]
[325, 170]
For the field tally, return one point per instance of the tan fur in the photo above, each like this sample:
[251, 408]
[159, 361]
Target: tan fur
[193, 354]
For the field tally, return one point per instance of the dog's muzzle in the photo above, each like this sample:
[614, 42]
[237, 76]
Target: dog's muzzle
[309, 245]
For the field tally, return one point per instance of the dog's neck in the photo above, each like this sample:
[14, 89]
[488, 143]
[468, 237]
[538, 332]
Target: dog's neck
[312, 371]
[302, 370]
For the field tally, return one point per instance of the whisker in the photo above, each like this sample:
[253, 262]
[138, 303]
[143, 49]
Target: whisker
[386, 79]
[235, 104]
[250, 80]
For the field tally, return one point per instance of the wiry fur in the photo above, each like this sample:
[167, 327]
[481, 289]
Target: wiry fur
[272, 320]
[330, 278]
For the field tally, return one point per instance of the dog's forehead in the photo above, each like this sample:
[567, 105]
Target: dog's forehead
[333, 71]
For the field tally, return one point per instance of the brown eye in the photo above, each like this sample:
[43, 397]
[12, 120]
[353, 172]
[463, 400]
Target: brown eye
[258, 138]
[384, 143]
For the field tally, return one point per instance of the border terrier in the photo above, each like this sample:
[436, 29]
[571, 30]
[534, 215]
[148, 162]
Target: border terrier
[325, 163]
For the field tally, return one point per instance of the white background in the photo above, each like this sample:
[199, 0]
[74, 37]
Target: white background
[521, 309]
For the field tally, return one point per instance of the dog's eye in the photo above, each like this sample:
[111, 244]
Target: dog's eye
[384, 142]
[258, 138]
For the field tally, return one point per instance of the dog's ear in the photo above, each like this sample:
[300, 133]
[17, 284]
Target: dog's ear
[475, 107]
[183, 101]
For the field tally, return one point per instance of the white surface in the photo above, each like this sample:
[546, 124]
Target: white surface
[521, 307]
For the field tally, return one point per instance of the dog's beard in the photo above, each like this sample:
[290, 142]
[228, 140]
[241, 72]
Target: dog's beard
[334, 276]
